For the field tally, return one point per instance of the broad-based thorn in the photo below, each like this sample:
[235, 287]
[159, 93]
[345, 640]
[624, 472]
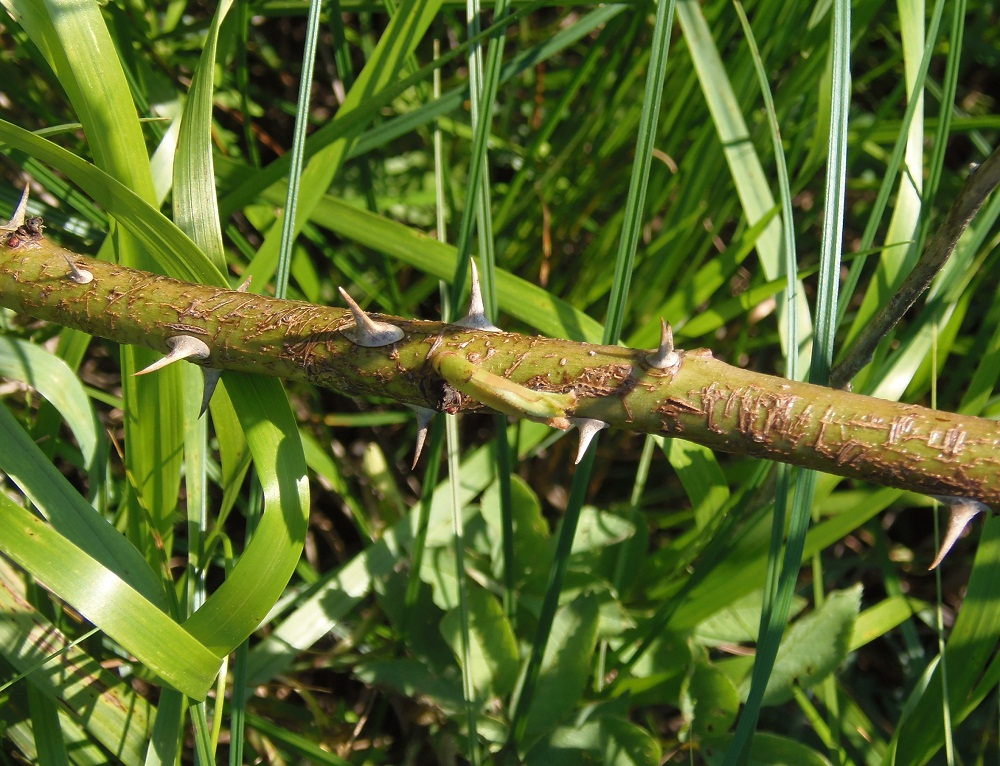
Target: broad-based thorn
[20, 213]
[588, 428]
[210, 377]
[475, 318]
[664, 357]
[424, 417]
[78, 275]
[181, 347]
[245, 286]
[366, 331]
[961, 510]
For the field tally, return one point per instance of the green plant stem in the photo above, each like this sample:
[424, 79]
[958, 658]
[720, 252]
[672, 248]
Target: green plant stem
[703, 399]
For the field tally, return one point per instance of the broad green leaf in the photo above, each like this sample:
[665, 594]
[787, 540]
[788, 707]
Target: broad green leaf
[709, 699]
[532, 551]
[739, 622]
[493, 646]
[598, 529]
[414, 679]
[612, 739]
[814, 647]
[341, 589]
[699, 472]
[627, 744]
[565, 667]
[767, 750]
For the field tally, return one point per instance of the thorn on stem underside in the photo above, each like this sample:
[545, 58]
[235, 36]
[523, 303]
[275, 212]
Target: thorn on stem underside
[424, 417]
[588, 428]
[961, 511]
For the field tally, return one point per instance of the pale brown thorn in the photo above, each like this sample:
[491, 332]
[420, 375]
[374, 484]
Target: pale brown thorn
[665, 356]
[20, 213]
[961, 510]
[78, 275]
[366, 331]
[424, 417]
[181, 347]
[588, 428]
[475, 317]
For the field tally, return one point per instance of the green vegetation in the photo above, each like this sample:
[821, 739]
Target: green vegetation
[630, 163]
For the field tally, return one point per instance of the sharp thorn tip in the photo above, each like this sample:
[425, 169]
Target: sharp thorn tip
[20, 212]
[475, 318]
[588, 428]
[366, 331]
[78, 275]
[210, 377]
[665, 356]
[181, 347]
[961, 511]
[424, 417]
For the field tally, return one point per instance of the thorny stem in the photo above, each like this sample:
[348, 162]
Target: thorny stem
[700, 399]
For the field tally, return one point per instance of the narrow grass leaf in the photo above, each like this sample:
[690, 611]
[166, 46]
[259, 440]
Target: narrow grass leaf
[254, 585]
[70, 515]
[89, 696]
[969, 652]
[112, 605]
[748, 174]
[51, 377]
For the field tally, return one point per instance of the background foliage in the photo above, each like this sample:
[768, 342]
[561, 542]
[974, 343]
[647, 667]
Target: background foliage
[284, 539]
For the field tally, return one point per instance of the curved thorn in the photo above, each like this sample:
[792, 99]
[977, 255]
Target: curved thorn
[20, 212]
[588, 428]
[245, 286]
[664, 356]
[475, 318]
[210, 376]
[961, 510]
[181, 347]
[366, 331]
[424, 417]
[78, 275]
